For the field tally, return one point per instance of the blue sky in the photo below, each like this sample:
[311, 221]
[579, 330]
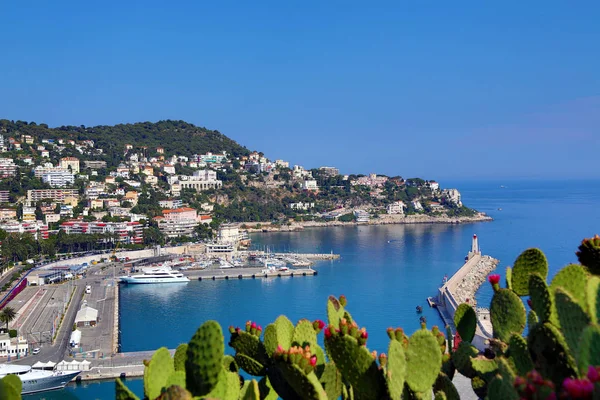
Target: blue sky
[431, 89]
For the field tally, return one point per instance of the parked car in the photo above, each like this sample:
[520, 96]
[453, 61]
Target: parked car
[35, 351]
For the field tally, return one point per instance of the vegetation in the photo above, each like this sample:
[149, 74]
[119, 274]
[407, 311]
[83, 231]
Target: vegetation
[7, 315]
[559, 358]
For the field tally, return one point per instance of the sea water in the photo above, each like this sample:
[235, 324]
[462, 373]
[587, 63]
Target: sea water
[384, 271]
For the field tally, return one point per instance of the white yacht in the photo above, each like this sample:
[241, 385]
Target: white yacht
[156, 275]
[35, 380]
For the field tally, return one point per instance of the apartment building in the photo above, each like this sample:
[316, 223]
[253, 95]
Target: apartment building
[58, 179]
[178, 222]
[54, 194]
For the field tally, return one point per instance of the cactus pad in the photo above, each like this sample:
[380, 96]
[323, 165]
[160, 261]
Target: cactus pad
[122, 392]
[204, 361]
[250, 391]
[250, 365]
[444, 385]
[249, 345]
[540, 297]
[483, 365]
[572, 279]
[549, 352]
[331, 380]
[465, 321]
[507, 313]
[423, 361]
[157, 372]
[589, 348]
[180, 357]
[279, 333]
[531, 261]
[395, 369]
[175, 392]
[532, 320]
[462, 359]
[266, 390]
[357, 366]
[304, 334]
[479, 387]
[589, 254]
[572, 317]
[500, 389]
[229, 364]
[593, 298]
[305, 385]
[227, 388]
[177, 378]
[335, 311]
[439, 396]
[519, 354]
[509, 278]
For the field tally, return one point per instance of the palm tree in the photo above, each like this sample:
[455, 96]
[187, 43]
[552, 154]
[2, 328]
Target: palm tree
[7, 315]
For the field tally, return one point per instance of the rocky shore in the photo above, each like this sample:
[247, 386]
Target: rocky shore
[382, 220]
[467, 288]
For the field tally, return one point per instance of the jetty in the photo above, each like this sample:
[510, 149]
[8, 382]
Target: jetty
[461, 288]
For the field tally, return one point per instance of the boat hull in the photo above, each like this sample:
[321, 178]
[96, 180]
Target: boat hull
[57, 381]
[135, 281]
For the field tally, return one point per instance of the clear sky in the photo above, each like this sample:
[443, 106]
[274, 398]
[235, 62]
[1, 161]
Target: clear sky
[467, 89]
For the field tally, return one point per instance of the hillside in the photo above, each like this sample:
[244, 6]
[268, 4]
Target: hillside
[176, 137]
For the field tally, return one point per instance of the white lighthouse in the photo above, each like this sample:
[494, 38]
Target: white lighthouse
[474, 248]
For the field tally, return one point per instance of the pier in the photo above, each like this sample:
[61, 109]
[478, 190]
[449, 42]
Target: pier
[248, 273]
[461, 288]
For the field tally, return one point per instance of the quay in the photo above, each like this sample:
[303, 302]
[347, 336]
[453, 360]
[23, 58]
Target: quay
[248, 273]
[461, 288]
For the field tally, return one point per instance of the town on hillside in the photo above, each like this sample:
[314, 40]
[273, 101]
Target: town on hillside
[74, 189]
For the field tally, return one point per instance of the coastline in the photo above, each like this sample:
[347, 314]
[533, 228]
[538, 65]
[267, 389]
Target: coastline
[382, 220]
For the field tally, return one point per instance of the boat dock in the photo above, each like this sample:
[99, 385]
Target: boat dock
[248, 273]
[461, 288]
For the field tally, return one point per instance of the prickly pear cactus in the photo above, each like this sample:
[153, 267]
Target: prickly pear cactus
[507, 314]
[157, 372]
[531, 261]
[509, 278]
[250, 391]
[573, 319]
[519, 354]
[589, 254]
[465, 321]
[532, 320]
[462, 359]
[394, 368]
[174, 392]
[304, 333]
[501, 386]
[279, 333]
[550, 353]
[541, 298]
[331, 380]
[593, 298]
[10, 387]
[444, 385]
[423, 361]
[204, 361]
[572, 279]
[180, 357]
[122, 392]
[335, 311]
[589, 348]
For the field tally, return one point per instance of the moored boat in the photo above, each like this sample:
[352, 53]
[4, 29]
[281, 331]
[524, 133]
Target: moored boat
[155, 275]
[35, 380]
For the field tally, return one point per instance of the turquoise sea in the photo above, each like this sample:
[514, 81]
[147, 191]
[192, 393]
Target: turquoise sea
[385, 271]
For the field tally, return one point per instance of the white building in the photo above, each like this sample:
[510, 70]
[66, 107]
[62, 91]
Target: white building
[310, 184]
[417, 205]
[361, 216]
[397, 207]
[228, 234]
[7, 167]
[452, 196]
[434, 186]
[302, 206]
[58, 179]
[71, 162]
[12, 347]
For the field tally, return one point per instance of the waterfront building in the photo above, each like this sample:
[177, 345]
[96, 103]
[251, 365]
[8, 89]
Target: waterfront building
[38, 229]
[178, 222]
[228, 234]
[435, 206]
[8, 167]
[125, 232]
[58, 179]
[70, 162]
[86, 316]
[361, 216]
[396, 207]
[53, 194]
[13, 347]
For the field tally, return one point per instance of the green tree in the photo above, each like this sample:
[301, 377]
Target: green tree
[7, 315]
